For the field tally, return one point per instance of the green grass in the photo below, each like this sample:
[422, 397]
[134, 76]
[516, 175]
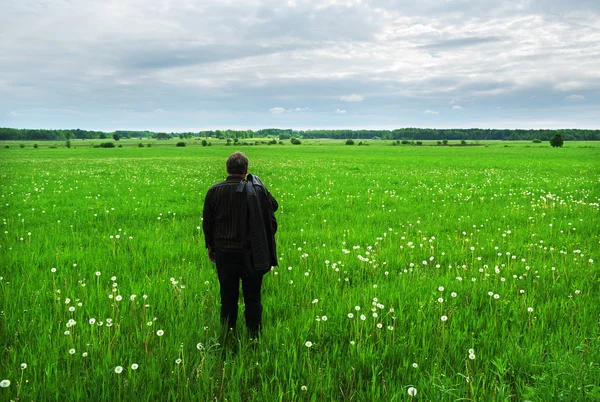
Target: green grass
[380, 228]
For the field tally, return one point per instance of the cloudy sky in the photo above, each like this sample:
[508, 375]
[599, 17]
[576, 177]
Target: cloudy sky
[179, 65]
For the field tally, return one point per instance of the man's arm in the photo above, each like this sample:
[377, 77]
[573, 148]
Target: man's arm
[208, 225]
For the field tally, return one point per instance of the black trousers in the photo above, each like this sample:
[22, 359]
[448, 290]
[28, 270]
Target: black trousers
[231, 269]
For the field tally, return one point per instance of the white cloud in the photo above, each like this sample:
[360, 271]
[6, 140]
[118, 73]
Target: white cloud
[247, 56]
[277, 110]
[14, 114]
[352, 98]
[456, 107]
[340, 111]
[159, 110]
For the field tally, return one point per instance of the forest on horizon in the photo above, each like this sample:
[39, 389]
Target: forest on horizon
[472, 134]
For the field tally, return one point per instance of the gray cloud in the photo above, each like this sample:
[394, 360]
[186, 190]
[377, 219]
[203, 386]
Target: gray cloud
[112, 64]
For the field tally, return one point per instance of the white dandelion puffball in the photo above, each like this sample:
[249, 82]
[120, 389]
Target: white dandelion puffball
[308, 344]
[72, 351]
[160, 332]
[303, 388]
[412, 391]
[178, 361]
[415, 365]
[23, 366]
[5, 383]
[530, 309]
[472, 356]
[444, 318]
[118, 369]
[350, 315]
[134, 366]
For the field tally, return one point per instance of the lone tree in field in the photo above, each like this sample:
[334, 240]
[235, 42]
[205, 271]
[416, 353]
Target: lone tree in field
[557, 141]
[116, 137]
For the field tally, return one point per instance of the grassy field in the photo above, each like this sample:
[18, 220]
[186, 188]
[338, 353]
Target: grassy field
[458, 273]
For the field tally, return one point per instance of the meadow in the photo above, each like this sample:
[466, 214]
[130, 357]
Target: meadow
[405, 273]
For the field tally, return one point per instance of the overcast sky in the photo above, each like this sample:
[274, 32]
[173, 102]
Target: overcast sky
[180, 65]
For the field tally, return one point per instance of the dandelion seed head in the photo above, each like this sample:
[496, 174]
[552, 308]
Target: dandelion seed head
[118, 369]
[412, 391]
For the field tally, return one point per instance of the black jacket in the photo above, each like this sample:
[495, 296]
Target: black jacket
[260, 222]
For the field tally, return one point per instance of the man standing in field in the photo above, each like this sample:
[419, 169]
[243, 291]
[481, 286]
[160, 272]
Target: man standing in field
[239, 228]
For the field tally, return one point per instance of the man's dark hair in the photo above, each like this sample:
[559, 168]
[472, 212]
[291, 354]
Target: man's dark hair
[237, 163]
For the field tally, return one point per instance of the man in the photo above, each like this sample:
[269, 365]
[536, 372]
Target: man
[239, 228]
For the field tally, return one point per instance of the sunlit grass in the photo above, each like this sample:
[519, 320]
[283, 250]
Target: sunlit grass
[462, 272]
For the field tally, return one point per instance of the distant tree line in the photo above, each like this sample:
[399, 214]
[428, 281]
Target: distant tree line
[471, 134]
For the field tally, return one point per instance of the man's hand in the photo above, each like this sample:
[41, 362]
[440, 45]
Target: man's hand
[212, 255]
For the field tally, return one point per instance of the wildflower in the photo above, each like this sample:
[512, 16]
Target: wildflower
[98, 273]
[324, 318]
[415, 365]
[92, 321]
[453, 294]
[315, 301]
[71, 309]
[118, 369]
[390, 328]
[440, 300]
[303, 388]
[472, 356]
[412, 391]
[119, 298]
[441, 288]
[350, 315]
[84, 354]
[178, 361]
[23, 366]
[53, 270]
[134, 366]
[471, 351]
[160, 332]
[363, 317]
[496, 296]
[200, 346]
[132, 297]
[149, 323]
[71, 351]
[530, 309]
[380, 325]
[5, 383]
[444, 318]
[308, 344]
[357, 308]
